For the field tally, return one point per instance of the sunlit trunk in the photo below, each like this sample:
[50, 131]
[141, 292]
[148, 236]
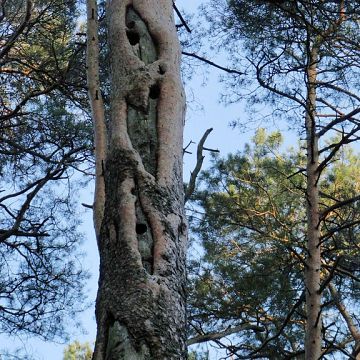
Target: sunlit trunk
[313, 260]
[140, 307]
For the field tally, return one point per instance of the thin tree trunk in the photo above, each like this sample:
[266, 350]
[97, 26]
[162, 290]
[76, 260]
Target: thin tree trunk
[313, 261]
[140, 308]
[97, 111]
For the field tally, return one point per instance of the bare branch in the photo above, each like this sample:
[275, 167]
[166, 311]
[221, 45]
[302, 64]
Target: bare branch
[273, 89]
[29, 198]
[200, 158]
[28, 97]
[346, 225]
[338, 120]
[342, 271]
[87, 206]
[178, 13]
[287, 319]
[187, 146]
[230, 71]
[338, 89]
[336, 147]
[330, 276]
[211, 150]
[23, 233]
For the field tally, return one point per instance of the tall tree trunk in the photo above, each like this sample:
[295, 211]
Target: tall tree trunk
[140, 308]
[313, 261]
[97, 111]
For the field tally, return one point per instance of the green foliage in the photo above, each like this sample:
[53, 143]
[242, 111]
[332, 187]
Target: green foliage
[45, 138]
[260, 194]
[253, 231]
[78, 351]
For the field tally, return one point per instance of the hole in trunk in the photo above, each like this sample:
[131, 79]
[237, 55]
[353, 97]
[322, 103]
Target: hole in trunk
[133, 37]
[161, 70]
[154, 91]
[130, 24]
[141, 228]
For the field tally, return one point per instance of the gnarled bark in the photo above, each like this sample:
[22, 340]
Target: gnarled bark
[140, 307]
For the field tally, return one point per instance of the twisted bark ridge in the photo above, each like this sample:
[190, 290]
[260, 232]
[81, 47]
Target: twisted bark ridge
[140, 306]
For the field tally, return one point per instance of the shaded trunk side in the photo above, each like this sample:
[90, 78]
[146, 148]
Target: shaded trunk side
[313, 260]
[140, 307]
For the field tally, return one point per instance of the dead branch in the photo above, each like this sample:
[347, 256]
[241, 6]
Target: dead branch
[87, 206]
[178, 13]
[230, 71]
[187, 146]
[282, 327]
[200, 158]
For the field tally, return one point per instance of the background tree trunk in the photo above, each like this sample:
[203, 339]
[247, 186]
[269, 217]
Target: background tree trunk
[140, 306]
[313, 261]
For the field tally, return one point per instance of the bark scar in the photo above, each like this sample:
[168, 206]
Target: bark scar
[142, 93]
[142, 78]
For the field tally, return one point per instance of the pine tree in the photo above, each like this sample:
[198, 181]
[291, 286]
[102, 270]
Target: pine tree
[250, 285]
[42, 145]
[303, 58]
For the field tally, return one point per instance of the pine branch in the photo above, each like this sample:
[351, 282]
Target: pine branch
[7, 46]
[346, 139]
[287, 319]
[338, 205]
[221, 334]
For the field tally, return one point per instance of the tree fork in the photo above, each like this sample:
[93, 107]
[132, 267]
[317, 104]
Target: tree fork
[140, 306]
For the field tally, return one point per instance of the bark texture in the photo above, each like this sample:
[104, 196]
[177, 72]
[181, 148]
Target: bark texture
[97, 110]
[140, 307]
[313, 261]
